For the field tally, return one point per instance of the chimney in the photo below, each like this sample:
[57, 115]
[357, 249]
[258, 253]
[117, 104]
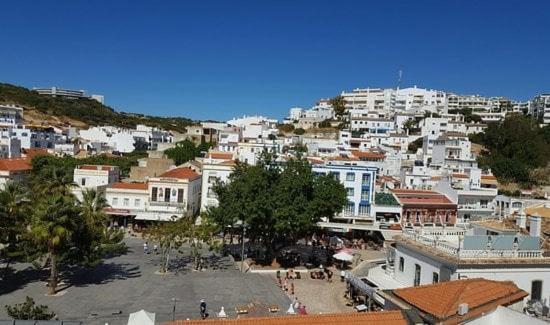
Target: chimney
[521, 219]
[462, 309]
[535, 225]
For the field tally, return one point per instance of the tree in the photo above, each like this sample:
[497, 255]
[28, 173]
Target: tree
[168, 236]
[514, 146]
[325, 124]
[53, 221]
[415, 145]
[186, 150]
[299, 131]
[338, 105]
[29, 311]
[277, 202]
[13, 208]
[285, 128]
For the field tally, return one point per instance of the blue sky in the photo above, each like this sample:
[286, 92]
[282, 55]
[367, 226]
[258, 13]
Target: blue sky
[218, 59]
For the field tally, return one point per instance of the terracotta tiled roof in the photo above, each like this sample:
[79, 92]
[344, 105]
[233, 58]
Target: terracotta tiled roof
[406, 196]
[372, 318]
[97, 167]
[15, 164]
[221, 155]
[130, 186]
[489, 177]
[459, 175]
[33, 152]
[181, 173]
[368, 154]
[442, 299]
[540, 210]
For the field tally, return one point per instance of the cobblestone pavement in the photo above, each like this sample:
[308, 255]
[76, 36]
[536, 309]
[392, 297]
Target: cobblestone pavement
[319, 296]
[128, 283]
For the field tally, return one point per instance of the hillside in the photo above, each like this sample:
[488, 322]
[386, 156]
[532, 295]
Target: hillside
[80, 112]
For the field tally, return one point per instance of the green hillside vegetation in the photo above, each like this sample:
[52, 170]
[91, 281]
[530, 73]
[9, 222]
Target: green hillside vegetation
[518, 150]
[86, 110]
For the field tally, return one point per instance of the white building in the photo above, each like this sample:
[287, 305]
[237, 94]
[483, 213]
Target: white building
[360, 187]
[96, 177]
[430, 257]
[13, 170]
[67, 93]
[120, 140]
[10, 146]
[540, 108]
[453, 152]
[216, 166]
[10, 115]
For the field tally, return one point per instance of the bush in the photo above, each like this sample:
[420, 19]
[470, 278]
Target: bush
[325, 124]
[285, 128]
[299, 131]
[29, 311]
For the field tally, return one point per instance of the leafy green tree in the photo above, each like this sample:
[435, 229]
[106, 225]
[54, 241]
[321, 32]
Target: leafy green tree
[325, 124]
[277, 202]
[286, 128]
[338, 105]
[186, 150]
[29, 311]
[299, 131]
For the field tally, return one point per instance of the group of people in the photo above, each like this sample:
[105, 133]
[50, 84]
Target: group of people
[146, 248]
[322, 274]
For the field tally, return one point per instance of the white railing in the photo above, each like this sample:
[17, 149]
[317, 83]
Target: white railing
[470, 254]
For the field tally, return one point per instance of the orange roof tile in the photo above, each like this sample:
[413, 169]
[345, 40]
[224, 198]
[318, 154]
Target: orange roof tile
[181, 173]
[442, 299]
[458, 175]
[33, 152]
[374, 318]
[221, 155]
[368, 154]
[408, 196]
[130, 186]
[489, 177]
[97, 167]
[15, 164]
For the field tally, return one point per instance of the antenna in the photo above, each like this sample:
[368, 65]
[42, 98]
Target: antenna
[400, 78]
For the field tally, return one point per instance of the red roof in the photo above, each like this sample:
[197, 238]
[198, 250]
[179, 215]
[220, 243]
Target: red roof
[373, 318]
[221, 155]
[459, 175]
[181, 173]
[442, 299]
[407, 196]
[130, 186]
[15, 164]
[33, 152]
[97, 167]
[368, 154]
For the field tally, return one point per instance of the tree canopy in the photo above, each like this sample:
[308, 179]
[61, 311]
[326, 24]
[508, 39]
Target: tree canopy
[277, 201]
[515, 147]
[338, 105]
[186, 150]
[28, 310]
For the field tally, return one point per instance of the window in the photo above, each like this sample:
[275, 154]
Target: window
[350, 208]
[349, 191]
[167, 194]
[211, 193]
[336, 175]
[180, 195]
[126, 202]
[536, 290]
[350, 177]
[363, 210]
[137, 202]
[417, 271]
[212, 179]
[115, 201]
[366, 179]
[401, 264]
[365, 195]
[154, 192]
[83, 181]
[435, 277]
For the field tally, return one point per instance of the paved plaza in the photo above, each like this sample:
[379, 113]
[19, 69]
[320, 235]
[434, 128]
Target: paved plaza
[128, 283]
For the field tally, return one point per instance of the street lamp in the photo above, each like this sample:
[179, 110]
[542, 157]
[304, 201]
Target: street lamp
[243, 225]
[174, 300]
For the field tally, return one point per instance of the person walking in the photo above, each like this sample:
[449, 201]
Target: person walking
[204, 312]
[155, 249]
[145, 248]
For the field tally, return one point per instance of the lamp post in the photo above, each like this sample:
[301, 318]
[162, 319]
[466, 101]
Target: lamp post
[242, 224]
[174, 300]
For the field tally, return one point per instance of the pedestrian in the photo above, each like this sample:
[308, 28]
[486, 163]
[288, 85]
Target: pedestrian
[292, 288]
[296, 303]
[145, 248]
[342, 275]
[285, 285]
[204, 312]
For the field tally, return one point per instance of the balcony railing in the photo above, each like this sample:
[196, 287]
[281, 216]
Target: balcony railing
[471, 254]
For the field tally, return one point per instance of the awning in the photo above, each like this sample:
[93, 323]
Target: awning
[118, 212]
[156, 216]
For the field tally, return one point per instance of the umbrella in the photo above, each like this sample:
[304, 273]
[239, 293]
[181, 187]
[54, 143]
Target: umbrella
[345, 250]
[343, 256]
[141, 317]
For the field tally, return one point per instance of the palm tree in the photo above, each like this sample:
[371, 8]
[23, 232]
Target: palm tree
[92, 207]
[12, 204]
[53, 221]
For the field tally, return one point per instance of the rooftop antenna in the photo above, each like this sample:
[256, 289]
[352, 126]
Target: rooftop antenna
[400, 78]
